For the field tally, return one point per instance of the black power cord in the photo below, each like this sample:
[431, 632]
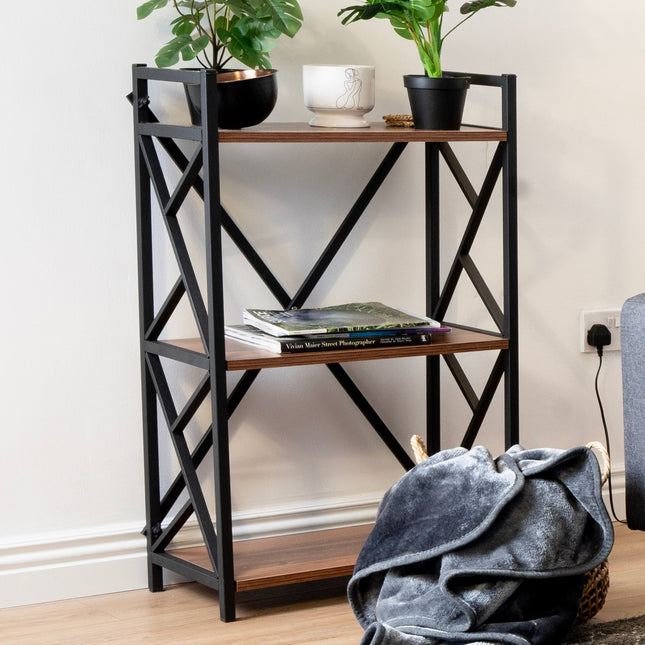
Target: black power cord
[599, 336]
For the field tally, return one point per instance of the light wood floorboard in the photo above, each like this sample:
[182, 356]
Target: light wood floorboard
[188, 614]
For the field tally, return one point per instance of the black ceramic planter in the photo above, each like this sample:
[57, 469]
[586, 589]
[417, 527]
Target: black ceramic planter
[244, 97]
[436, 103]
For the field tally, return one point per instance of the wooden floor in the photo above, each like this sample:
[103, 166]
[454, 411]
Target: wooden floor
[189, 614]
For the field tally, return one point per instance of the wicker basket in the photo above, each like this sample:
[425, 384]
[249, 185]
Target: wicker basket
[596, 584]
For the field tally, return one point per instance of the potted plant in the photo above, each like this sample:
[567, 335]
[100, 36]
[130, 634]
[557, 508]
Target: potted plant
[214, 33]
[436, 101]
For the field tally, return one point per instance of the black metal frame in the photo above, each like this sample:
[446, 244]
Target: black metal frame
[160, 528]
[504, 163]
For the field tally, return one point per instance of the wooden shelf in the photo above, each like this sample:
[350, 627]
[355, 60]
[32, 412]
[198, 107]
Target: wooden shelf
[240, 356]
[271, 562]
[377, 132]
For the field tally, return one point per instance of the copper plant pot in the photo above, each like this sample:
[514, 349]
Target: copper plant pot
[245, 97]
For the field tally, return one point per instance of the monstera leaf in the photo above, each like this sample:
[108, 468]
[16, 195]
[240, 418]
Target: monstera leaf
[284, 15]
[471, 7]
[218, 31]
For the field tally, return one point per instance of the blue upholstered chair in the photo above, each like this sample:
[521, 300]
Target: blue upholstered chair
[633, 363]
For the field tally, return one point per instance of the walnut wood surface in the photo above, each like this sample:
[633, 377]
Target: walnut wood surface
[268, 132]
[288, 559]
[241, 356]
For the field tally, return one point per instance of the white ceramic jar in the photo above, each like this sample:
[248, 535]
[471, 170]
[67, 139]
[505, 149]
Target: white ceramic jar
[338, 95]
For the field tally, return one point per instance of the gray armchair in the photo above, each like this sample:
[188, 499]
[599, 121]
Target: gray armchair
[633, 363]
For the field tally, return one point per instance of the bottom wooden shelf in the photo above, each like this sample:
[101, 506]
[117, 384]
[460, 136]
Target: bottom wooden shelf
[288, 559]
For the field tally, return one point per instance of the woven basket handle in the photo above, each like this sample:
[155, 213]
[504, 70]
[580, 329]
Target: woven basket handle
[603, 460]
[421, 454]
[418, 448]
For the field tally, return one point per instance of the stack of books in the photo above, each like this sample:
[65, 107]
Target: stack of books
[349, 326]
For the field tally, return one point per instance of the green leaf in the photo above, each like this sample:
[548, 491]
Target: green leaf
[285, 15]
[144, 10]
[414, 11]
[182, 46]
[185, 24]
[187, 53]
[402, 31]
[194, 47]
[223, 35]
[368, 11]
[168, 55]
[166, 58]
[192, 6]
[427, 10]
[201, 43]
[222, 23]
[248, 43]
[476, 5]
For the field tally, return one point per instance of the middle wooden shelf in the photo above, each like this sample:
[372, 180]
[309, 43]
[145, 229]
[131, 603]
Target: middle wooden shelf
[240, 356]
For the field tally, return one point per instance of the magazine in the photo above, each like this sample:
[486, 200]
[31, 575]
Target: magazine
[326, 342]
[357, 316]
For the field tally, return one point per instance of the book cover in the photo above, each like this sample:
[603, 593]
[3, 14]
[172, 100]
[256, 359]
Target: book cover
[324, 342]
[357, 316]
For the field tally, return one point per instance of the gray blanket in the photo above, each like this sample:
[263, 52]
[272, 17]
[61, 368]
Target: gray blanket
[471, 549]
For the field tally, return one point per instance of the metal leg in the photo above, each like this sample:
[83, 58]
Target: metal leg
[146, 315]
[511, 384]
[216, 349]
[433, 236]
[504, 163]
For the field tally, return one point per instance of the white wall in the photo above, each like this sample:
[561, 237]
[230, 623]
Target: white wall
[72, 500]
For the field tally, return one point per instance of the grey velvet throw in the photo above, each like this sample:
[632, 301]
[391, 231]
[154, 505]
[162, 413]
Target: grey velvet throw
[471, 549]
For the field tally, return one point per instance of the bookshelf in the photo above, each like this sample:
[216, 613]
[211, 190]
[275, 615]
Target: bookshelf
[234, 567]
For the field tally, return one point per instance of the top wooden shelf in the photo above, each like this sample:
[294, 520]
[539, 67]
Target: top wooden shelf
[268, 132]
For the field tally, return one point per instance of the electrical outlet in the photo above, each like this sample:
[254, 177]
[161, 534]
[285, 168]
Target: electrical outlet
[608, 317]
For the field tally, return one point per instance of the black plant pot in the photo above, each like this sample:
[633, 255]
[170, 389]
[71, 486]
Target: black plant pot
[244, 97]
[437, 103]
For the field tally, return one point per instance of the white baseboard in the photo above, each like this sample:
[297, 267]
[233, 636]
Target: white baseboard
[111, 559]
[63, 566]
